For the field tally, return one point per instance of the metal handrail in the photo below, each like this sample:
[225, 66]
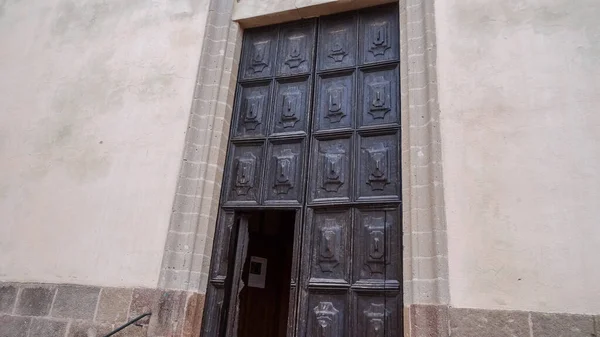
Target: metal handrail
[128, 324]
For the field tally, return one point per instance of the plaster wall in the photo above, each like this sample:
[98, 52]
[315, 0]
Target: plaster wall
[519, 90]
[94, 103]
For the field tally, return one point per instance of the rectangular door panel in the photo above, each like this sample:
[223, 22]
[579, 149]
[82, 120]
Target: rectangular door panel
[378, 167]
[376, 248]
[379, 35]
[284, 174]
[376, 315]
[338, 45]
[331, 170]
[296, 43]
[379, 96]
[329, 244]
[335, 103]
[292, 102]
[259, 50]
[245, 173]
[253, 107]
[326, 313]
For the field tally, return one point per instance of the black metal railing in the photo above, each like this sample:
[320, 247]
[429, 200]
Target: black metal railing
[128, 324]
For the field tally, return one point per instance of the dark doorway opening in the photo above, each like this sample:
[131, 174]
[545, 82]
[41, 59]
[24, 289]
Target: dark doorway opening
[265, 281]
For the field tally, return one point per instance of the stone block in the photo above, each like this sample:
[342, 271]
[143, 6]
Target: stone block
[193, 315]
[562, 325]
[113, 305]
[142, 302]
[488, 323]
[78, 302]
[8, 296]
[429, 320]
[133, 331]
[168, 314]
[34, 301]
[14, 326]
[42, 327]
[250, 13]
[406, 312]
[88, 329]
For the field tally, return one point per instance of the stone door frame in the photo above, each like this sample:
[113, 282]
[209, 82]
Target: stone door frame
[186, 259]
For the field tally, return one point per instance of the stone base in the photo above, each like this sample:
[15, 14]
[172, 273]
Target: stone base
[56, 310]
[444, 321]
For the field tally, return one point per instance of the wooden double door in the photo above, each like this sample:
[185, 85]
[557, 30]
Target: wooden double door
[316, 130]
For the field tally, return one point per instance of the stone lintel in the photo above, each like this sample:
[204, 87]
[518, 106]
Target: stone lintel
[255, 13]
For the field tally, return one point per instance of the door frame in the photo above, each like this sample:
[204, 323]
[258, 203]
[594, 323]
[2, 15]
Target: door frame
[425, 264]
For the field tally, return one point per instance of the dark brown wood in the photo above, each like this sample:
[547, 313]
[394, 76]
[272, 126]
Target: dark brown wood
[316, 128]
[236, 278]
[351, 283]
[271, 238]
[220, 259]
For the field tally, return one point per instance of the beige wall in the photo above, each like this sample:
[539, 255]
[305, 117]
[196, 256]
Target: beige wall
[519, 91]
[94, 104]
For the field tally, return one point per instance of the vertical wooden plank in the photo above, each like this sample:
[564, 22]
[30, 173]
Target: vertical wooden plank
[236, 280]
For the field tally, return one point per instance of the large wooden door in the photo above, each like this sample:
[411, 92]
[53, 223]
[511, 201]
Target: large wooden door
[316, 128]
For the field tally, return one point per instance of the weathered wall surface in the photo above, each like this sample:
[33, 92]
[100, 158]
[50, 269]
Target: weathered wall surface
[94, 104]
[519, 90]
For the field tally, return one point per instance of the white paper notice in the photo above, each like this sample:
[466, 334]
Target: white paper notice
[257, 275]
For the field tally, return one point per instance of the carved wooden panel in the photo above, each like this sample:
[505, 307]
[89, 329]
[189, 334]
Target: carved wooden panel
[330, 172]
[329, 246]
[283, 181]
[375, 247]
[379, 35]
[245, 173]
[379, 96]
[258, 59]
[326, 315]
[252, 109]
[296, 43]
[376, 315]
[378, 171]
[337, 42]
[335, 101]
[291, 105]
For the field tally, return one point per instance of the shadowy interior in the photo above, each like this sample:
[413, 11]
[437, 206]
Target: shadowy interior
[264, 311]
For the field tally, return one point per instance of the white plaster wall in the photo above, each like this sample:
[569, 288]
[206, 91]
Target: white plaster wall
[519, 88]
[94, 102]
